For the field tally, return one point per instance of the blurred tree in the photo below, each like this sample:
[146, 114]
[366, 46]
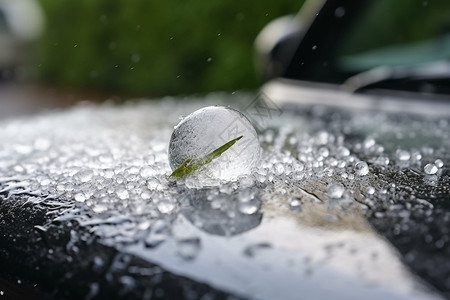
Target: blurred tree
[151, 47]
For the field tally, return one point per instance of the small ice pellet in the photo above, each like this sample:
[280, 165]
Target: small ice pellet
[370, 190]
[79, 197]
[335, 190]
[402, 154]
[324, 152]
[279, 169]
[430, 169]
[295, 204]
[416, 156]
[343, 151]
[382, 160]
[361, 168]
[85, 175]
[122, 194]
[439, 163]
[249, 207]
[369, 142]
[165, 206]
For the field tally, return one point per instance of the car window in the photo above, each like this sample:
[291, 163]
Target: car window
[396, 33]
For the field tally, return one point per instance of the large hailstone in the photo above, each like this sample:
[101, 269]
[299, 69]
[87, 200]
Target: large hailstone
[209, 128]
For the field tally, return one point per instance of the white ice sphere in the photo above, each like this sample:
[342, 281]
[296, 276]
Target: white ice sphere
[209, 128]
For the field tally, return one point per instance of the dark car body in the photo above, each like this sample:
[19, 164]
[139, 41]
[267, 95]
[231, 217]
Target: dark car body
[311, 57]
[394, 245]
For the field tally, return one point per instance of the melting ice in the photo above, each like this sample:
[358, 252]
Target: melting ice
[209, 128]
[107, 166]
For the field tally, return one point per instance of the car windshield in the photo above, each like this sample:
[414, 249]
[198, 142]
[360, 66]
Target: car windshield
[421, 36]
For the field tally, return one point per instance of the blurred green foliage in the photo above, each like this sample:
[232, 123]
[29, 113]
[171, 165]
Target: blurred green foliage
[150, 47]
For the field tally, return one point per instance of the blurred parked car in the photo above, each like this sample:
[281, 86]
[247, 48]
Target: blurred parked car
[364, 54]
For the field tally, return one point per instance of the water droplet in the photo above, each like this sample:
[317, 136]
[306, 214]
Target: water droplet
[165, 206]
[85, 175]
[335, 190]
[249, 207]
[402, 155]
[416, 156]
[430, 169]
[343, 151]
[153, 184]
[279, 169]
[324, 152]
[108, 173]
[369, 142]
[246, 181]
[382, 161]
[370, 190]
[295, 204]
[439, 163]
[339, 12]
[122, 194]
[246, 195]
[361, 168]
[132, 170]
[99, 208]
[106, 158]
[323, 137]
[145, 195]
[379, 215]
[80, 197]
[43, 180]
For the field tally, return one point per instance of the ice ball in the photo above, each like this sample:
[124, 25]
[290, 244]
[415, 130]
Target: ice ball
[209, 128]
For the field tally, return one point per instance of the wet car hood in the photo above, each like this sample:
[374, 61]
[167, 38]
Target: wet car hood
[86, 198]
